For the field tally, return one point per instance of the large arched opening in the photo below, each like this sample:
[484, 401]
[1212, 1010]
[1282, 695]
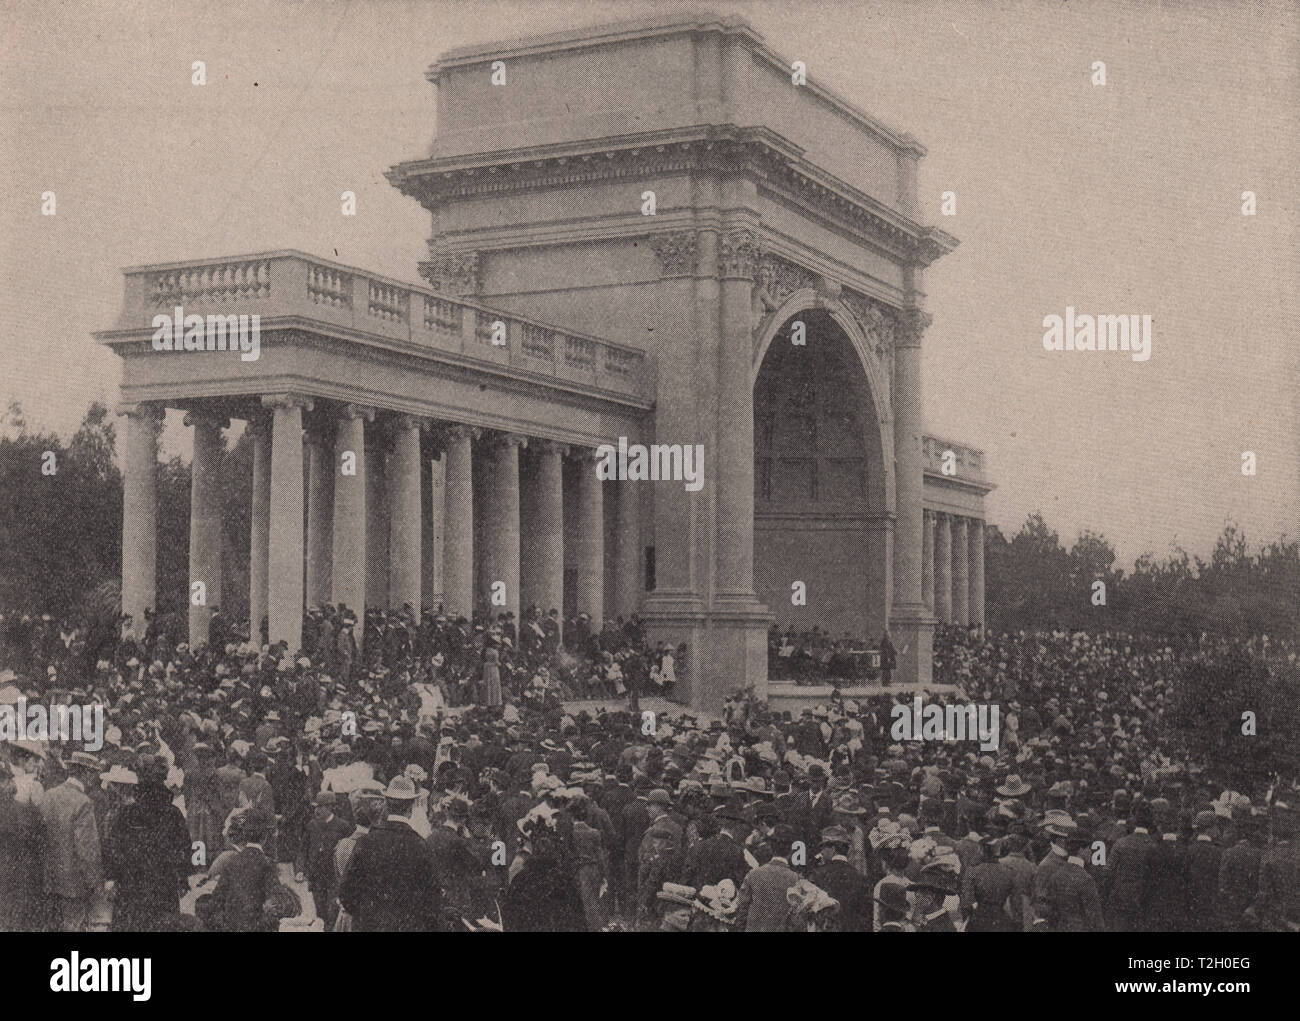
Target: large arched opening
[823, 485]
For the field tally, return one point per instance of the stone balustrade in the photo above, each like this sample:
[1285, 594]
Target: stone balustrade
[289, 284]
[969, 461]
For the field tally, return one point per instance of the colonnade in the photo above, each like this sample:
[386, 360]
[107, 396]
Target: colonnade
[366, 492]
[953, 567]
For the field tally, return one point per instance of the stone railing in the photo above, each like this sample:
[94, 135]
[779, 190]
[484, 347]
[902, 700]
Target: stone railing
[969, 462]
[289, 284]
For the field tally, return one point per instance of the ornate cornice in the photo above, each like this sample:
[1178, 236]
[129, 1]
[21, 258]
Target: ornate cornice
[773, 161]
[452, 272]
[676, 251]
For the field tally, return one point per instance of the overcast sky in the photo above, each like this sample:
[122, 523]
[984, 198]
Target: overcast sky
[1117, 199]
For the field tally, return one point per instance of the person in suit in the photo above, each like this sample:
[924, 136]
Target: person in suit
[842, 881]
[1239, 873]
[1278, 904]
[1203, 860]
[147, 855]
[22, 854]
[1069, 900]
[763, 905]
[458, 868]
[721, 856]
[255, 792]
[73, 869]
[1132, 862]
[316, 855]
[227, 780]
[812, 810]
[391, 883]
[247, 879]
[659, 857]
[1168, 909]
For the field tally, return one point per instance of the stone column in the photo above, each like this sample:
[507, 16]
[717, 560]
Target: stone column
[285, 590]
[960, 578]
[320, 518]
[259, 531]
[205, 520]
[627, 564]
[591, 540]
[975, 558]
[914, 624]
[404, 515]
[140, 512]
[433, 544]
[503, 528]
[458, 542]
[927, 562]
[378, 526]
[542, 534]
[943, 568]
[348, 573]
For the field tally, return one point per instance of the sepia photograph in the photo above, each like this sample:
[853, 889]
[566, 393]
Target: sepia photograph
[641, 466]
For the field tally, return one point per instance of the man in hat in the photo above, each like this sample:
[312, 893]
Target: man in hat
[147, 855]
[247, 879]
[837, 876]
[459, 869]
[1132, 861]
[1278, 904]
[721, 856]
[22, 851]
[316, 855]
[391, 884]
[73, 871]
[1069, 900]
[1239, 871]
[659, 855]
[1203, 860]
[763, 905]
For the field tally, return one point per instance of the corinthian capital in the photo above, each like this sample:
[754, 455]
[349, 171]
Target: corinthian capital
[912, 324]
[676, 252]
[738, 254]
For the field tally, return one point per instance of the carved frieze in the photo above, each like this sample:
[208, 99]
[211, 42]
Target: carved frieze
[452, 273]
[676, 251]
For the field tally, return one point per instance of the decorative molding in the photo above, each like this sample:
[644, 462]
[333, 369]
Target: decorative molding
[912, 324]
[758, 152]
[879, 324]
[676, 251]
[357, 411]
[776, 279]
[737, 255]
[452, 272]
[146, 411]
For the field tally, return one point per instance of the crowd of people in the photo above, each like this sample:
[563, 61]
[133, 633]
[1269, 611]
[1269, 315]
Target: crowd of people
[443, 780]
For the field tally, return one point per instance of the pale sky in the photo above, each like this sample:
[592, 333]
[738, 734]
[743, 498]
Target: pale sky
[1124, 198]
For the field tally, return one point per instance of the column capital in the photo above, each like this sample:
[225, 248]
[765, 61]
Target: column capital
[355, 411]
[205, 416]
[142, 410]
[582, 455]
[548, 447]
[287, 400]
[460, 431]
[912, 324]
[406, 421]
[737, 254]
[676, 251]
[502, 439]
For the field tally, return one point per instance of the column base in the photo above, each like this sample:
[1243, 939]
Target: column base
[911, 629]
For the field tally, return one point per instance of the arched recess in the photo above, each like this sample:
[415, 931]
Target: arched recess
[877, 377]
[824, 472]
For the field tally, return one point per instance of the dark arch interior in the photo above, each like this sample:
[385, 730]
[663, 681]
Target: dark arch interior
[819, 493]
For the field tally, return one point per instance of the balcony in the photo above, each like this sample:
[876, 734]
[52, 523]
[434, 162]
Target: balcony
[290, 288]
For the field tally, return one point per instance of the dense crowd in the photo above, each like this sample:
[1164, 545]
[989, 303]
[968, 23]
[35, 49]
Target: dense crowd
[443, 780]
